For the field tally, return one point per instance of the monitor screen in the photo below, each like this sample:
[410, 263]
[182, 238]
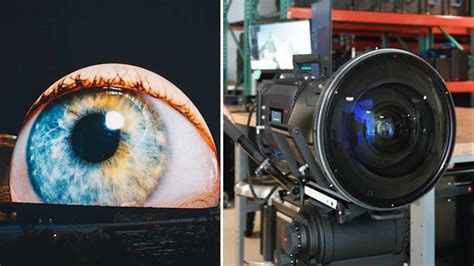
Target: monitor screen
[276, 115]
[273, 45]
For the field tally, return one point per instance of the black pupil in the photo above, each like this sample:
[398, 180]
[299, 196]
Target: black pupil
[92, 140]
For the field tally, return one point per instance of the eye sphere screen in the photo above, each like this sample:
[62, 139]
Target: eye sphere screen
[115, 135]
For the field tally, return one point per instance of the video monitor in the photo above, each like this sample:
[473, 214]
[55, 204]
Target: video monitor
[273, 45]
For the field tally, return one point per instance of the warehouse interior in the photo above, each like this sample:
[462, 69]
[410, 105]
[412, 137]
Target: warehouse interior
[324, 164]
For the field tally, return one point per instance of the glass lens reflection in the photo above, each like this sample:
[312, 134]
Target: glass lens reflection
[384, 131]
[388, 123]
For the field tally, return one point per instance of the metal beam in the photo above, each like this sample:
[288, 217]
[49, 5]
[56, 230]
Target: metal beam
[226, 29]
[385, 40]
[422, 230]
[403, 43]
[389, 19]
[248, 20]
[451, 39]
[284, 5]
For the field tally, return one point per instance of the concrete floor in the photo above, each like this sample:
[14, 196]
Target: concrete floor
[251, 245]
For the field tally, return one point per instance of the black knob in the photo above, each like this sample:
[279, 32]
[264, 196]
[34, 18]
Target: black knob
[291, 239]
[280, 258]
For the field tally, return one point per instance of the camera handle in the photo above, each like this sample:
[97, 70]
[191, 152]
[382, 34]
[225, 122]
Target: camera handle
[304, 59]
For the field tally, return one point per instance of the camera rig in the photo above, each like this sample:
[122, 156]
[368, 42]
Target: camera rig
[353, 150]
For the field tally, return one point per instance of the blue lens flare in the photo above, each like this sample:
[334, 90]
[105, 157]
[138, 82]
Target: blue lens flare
[365, 118]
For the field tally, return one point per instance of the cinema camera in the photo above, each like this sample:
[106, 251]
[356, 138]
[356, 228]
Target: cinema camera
[353, 150]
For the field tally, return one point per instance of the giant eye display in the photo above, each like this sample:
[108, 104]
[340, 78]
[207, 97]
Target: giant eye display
[115, 135]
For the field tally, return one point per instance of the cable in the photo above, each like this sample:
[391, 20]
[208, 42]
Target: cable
[254, 194]
[249, 119]
[265, 164]
[251, 185]
[260, 146]
[249, 176]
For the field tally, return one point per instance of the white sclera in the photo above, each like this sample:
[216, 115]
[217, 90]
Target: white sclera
[192, 167]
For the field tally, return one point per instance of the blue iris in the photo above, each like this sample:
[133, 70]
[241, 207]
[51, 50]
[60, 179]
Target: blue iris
[74, 158]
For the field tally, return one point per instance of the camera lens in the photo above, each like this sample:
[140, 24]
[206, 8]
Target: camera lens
[383, 133]
[384, 129]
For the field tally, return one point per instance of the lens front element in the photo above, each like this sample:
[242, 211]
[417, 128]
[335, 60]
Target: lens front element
[385, 129]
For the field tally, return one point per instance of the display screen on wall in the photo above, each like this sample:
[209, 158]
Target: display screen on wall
[273, 45]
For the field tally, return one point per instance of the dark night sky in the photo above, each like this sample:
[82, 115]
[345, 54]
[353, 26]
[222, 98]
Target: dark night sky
[41, 41]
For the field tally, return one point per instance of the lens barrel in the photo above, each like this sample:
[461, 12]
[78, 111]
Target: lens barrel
[384, 129]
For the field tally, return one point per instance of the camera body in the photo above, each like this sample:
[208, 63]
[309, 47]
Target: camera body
[290, 101]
